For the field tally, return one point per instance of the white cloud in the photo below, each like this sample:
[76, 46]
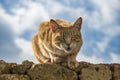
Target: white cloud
[115, 58]
[30, 15]
[102, 19]
[26, 47]
[104, 16]
[10, 19]
[24, 18]
[107, 9]
[92, 59]
[102, 45]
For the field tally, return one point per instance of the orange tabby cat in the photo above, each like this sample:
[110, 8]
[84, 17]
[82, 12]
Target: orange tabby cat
[58, 41]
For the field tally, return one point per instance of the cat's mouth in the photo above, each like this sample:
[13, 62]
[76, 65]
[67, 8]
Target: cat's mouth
[68, 49]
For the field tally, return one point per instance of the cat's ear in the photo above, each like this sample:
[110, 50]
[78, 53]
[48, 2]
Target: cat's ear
[78, 23]
[53, 25]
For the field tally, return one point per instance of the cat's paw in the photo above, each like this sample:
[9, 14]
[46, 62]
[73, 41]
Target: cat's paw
[58, 60]
[73, 64]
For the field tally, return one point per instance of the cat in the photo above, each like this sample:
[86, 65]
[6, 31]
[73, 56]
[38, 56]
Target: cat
[58, 41]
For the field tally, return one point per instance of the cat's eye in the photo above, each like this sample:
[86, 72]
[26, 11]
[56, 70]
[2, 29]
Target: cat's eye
[59, 38]
[76, 38]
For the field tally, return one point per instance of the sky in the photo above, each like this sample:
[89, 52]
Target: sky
[19, 20]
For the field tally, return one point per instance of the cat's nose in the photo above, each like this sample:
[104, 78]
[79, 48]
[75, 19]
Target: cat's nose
[68, 49]
[68, 44]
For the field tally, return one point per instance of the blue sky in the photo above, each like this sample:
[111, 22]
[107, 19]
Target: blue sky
[19, 20]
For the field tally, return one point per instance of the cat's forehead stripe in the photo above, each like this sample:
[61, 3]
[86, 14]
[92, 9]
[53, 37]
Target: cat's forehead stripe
[67, 32]
[64, 23]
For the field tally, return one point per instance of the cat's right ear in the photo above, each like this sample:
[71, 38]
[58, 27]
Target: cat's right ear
[53, 25]
[78, 23]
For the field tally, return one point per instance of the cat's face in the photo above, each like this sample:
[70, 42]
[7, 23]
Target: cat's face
[67, 38]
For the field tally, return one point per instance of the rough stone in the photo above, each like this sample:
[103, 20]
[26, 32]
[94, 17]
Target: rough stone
[96, 72]
[86, 71]
[21, 68]
[116, 74]
[13, 77]
[51, 72]
[81, 66]
[4, 67]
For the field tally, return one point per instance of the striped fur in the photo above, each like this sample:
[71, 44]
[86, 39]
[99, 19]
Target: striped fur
[58, 41]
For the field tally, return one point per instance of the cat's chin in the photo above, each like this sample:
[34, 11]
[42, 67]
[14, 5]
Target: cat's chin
[67, 51]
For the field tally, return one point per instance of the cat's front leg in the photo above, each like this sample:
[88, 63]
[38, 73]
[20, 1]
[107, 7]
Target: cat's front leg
[56, 59]
[72, 63]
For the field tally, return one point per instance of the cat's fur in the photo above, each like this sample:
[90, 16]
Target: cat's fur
[58, 41]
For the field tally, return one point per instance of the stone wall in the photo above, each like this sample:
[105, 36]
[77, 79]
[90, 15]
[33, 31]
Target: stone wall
[30, 71]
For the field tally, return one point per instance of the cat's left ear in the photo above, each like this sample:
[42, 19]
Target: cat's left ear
[78, 23]
[53, 25]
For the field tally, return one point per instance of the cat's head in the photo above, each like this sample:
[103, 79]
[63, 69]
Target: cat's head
[68, 37]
